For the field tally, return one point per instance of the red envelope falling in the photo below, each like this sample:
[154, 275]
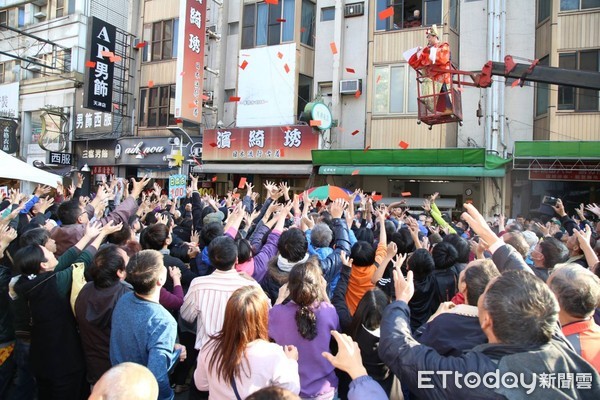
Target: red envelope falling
[280, 19]
[214, 179]
[378, 78]
[204, 97]
[355, 133]
[140, 45]
[357, 94]
[115, 59]
[406, 194]
[515, 83]
[403, 144]
[367, 148]
[355, 172]
[90, 64]
[242, 183]
[244, 64]
[116, 106]
[191, 105]
[287, 68]
[303, 29]
[315, 122]
[107, 54]
[213, 144]
[182, 73]
[281, 151]
[150, 84]
[234, 98]
[350, 70]
[272, 1]
[178, 121]
[333, 47]
[280, 55]
[388, 12]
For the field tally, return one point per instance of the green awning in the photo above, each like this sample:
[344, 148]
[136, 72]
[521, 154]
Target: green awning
[471, 162]
[540, 149]
[420, 171]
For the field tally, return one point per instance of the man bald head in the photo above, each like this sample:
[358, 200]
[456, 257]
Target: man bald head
[126, 381]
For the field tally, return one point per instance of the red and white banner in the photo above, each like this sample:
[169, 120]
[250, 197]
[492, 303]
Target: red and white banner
[190, 60]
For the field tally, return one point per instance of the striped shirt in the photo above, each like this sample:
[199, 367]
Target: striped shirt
[206, 299]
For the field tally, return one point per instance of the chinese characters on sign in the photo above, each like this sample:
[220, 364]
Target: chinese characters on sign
[9, 100]
[59, 158]
[97, 153]
[93, 120]
[285, 143]
[99, 79]
[574, 175]
[190, 63]
[8, 129]
[103, 171]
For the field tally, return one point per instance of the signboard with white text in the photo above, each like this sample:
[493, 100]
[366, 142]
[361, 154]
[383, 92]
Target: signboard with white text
[100, 64]
[9, 100]
[190, 60]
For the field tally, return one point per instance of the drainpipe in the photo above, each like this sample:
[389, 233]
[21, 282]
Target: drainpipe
[502, 43]
[488, 91]
[336, 98]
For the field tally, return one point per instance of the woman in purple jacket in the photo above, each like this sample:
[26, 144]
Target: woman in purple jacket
[306, 320]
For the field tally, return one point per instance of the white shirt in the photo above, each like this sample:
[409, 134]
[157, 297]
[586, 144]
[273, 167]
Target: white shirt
[206, 299]
[265, 364]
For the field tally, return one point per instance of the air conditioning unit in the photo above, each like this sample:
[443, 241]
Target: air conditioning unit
[354, 10]
[34, 68]
[350, 86]
[39, 15]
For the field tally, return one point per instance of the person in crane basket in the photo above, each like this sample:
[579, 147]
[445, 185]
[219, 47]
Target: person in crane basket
[435, 54]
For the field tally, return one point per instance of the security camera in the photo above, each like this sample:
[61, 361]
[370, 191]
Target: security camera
[212, 71]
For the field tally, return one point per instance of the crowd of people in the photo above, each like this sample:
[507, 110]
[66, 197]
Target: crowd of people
[129, 294]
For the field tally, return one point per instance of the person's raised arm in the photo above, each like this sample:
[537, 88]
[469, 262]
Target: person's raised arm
[583, 238]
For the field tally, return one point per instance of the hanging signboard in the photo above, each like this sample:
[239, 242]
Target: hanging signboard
[190, 60]
[177, 186]
[100, 65]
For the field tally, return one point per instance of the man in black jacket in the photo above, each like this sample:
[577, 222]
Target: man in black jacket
[525, 354]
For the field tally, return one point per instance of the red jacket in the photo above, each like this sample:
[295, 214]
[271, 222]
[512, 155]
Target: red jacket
[441, 59]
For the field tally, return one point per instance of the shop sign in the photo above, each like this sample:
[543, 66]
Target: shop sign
[94, 153]
[320, 112]
[9, 100]
[101, 59]
[177, 186]
[558, 175]
[190, 60]
[275, 143]
[8, 130]
[138, 149]
[103, 170]
[59, 158]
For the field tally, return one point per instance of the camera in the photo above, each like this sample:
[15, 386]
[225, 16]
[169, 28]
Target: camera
[551, 201]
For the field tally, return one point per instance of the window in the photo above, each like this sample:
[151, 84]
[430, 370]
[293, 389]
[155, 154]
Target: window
[454, 14]
[541, 94]
[395, 90]
[307, 32]
[544, 9]
[411, 14]
[2, 77]
[327, 14]
[234, 28]
[262, 24]
[163, 45]
[570, 5]
[305, 84]
[60, 8]
[579, 99]
[21, 16]
[3, 19]
[157, 106]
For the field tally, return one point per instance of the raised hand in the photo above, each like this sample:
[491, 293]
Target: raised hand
[347, 261]
[138, 186]
[348, 358]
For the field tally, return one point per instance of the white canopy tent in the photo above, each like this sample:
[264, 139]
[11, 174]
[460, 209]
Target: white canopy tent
[13, 168]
